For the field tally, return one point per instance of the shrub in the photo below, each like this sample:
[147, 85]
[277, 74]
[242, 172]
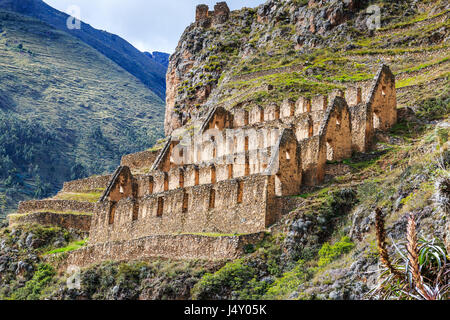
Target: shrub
[329, 253]
[434, 108]
[33, 288]
[231, 277]
[289, 282]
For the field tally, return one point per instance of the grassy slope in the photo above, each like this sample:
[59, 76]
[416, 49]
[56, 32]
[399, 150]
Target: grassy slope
[408, 44]
[94, 110]
[149, 71]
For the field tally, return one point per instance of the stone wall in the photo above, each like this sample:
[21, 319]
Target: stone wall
[56, 206]
[139, 160]
[205, 18]
[232, 206]
[336, 131]
[383, 100]
[87, 185]
[80, 222]
[175, 247]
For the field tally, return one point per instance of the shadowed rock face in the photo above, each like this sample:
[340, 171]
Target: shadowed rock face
[149, 71]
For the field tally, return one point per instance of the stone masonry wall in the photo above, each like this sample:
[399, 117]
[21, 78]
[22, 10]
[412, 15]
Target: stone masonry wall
[139, 160]
[86, 185]
[176, 247]
[80, 222]
[56, 206]
[232, 206]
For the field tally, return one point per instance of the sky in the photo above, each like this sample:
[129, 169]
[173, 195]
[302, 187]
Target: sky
[149, 25]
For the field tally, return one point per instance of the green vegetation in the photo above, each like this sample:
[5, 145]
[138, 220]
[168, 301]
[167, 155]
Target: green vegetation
[71, 247]
[435, 108]
[289, 282]
[35, 287]
[329, 253]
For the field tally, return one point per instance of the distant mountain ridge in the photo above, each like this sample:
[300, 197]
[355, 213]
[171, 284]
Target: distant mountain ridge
[160, 57]
[66, 110]
[150, 72]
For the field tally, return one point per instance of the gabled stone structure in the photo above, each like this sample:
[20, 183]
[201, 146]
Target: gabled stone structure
[233, 174]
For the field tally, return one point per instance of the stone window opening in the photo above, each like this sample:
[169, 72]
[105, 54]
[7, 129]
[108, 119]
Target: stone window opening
[112, 213]
[246, 144]
[330, 151]
[160, 211]
[213, 175]
[240, 192]
[185, 203]
[196, 177]
[151, 185]
[288, 155]
[247, 166]
[135, 212]
[121, 190]
[181, 182]
[230, 171]
[166, 182]
[212, 199]
[310, 130]
[383, 90]
[181, 153]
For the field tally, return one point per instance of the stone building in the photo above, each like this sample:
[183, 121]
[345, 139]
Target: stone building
[233, 174]
[230, 175]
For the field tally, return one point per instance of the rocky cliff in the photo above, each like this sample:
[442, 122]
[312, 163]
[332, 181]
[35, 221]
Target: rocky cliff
[292, 47]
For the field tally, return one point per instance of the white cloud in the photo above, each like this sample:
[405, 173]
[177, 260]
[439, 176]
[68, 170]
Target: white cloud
[150, 25]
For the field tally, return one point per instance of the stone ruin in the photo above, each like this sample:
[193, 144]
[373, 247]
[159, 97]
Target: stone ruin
[233, 174]
[206, 18]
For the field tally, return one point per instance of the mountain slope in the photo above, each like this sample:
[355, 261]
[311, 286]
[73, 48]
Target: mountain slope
[150, 72]
[306, 48]
[66, 111]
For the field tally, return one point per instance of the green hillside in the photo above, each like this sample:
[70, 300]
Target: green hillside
[66, 111]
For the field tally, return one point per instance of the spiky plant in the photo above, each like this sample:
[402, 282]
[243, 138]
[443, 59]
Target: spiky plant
[420, 270]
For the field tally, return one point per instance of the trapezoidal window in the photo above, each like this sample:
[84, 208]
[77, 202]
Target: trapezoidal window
[230, 171]
[151, 185]
[166, 182]
[240, 192]
[185, 203]
[247, 166]
[213, 175]
[135, 211]
[196, 176]
[181, 179]
[288, 155]
[112, 213]
[160, 211]
[212, 199]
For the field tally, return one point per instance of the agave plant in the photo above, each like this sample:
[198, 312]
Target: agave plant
[420, 270]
